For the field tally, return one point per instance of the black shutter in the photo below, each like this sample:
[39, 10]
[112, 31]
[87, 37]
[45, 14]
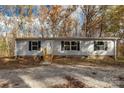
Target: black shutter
[95, 46]
[29, 45]
[62, 45]
[39, 45]
[78, 45]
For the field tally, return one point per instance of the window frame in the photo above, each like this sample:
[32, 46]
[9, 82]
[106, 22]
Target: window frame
[98, 46]
[70, 45]
[37, 46]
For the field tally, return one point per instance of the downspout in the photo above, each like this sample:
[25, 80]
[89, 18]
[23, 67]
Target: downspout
[52, 44]
[116, 49]
[15, 52]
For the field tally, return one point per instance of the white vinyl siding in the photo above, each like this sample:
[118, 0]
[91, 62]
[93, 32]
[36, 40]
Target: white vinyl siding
[86, 48]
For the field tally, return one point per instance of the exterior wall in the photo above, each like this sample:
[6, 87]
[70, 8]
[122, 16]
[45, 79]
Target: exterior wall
[54, 47]
[22, 48]
[86, 48]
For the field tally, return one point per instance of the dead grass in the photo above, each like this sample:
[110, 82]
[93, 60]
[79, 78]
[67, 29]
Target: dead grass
[26, 62]
[12, 63]
[107, 61]
[67, 61]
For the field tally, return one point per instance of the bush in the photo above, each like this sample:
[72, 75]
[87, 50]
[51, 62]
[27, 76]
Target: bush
[121, 50]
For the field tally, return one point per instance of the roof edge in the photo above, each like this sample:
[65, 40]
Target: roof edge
[68, 38]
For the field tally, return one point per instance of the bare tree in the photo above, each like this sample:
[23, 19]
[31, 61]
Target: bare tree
[59, 17]
[92, 19]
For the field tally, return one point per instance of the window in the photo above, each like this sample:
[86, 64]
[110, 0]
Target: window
[34, 45]
[70, 45]
[100, 45]
[67, 45]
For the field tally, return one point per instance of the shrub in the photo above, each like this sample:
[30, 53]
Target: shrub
[121, 50]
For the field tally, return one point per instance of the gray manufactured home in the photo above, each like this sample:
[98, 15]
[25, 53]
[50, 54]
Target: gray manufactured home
[66, 46]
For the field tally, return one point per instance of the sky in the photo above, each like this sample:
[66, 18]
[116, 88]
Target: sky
[15, 11]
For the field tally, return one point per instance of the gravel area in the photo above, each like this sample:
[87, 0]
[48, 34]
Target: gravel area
[53, 74]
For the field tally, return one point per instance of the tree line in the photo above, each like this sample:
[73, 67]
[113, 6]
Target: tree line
[56, 21]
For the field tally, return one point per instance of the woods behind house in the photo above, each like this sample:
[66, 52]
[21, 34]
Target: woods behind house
[58, 21]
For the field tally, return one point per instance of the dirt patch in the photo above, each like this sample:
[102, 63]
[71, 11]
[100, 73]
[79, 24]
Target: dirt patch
[71, 83]
[5, 84]
[63, 76]
[121, 78]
